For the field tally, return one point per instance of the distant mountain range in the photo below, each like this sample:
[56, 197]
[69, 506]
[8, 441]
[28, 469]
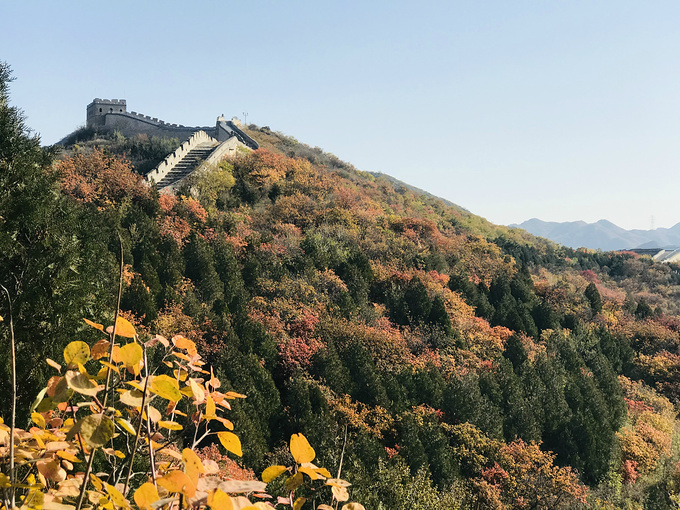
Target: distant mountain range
[603, 235]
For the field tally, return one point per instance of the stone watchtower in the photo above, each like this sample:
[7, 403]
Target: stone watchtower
[99, 108]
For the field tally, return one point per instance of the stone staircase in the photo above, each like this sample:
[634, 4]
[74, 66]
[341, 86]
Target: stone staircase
[188, 164]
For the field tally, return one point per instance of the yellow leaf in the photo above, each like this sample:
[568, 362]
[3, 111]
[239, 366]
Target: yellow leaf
[95, 325]
[300, 449]
[110, 366]
[34, 500]
[126, 426]
[184, 343]
[298, 503]
[54, 364]
[193, 466]
[323, 472]
[96, 430]
[38, 439]
[181, 355]
[76, 352]
[312, 474]
[132, 398]
[167, 451]
[115, 354]
[146, 495]
[117, 498]
[105, 502]
[166, 387]
[177, 481]
[136, 385]
[124, 328]
[340, 493]
[81, 383]
[272, 473]
[154, 414]
[96, 481]
[68, 456]
[324, 507]
[131, 354]
[38, 419]
[293, 482]
[218, 500]
[232, 395]
[351, 506]
[180, 375]
[210, 409]
[338, 482]
[231, 442]
[197, 390]
[170, 425]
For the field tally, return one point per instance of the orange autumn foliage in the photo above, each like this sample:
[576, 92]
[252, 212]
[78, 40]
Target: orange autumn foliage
[101, 180]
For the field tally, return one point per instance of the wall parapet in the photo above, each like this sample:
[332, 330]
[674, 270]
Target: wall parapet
[227, 128]
[228, 147]
[139, 117]
[165, 166]
[158, 122]
[98, 100]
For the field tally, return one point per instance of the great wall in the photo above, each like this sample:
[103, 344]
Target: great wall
[201, 146]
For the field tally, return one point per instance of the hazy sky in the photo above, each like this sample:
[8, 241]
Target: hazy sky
[562, 110]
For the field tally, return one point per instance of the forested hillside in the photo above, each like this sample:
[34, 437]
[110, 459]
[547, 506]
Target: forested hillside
[447, 361]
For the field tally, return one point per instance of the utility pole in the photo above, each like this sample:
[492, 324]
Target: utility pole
[245, 119]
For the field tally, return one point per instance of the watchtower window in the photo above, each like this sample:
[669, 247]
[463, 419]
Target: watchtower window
[121, 110]
[110, 110]
[100, 110]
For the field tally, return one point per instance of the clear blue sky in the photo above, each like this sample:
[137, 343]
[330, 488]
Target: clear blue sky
[561, 110]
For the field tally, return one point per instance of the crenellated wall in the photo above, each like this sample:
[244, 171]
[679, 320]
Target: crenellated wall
[99, 108]
[112, 114]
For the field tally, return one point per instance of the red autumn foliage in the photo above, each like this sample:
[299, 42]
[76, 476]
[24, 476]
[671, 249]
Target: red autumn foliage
[589, 275]
[101, 180]
[629, 471]
[297, 352]
[637, 406]
[175, 228]
[193, 210]
[167, 202]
